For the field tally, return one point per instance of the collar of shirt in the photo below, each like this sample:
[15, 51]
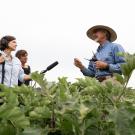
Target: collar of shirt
[6, 57]
[103, 45]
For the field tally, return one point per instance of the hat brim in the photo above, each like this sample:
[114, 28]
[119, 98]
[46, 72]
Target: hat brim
[113, 35]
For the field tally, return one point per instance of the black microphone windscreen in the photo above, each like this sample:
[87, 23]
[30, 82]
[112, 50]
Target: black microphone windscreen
[52, 65]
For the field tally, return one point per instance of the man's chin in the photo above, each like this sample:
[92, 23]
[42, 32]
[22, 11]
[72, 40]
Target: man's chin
[97, 42]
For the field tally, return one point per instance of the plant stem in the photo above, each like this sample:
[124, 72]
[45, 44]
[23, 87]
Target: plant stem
[124, 88]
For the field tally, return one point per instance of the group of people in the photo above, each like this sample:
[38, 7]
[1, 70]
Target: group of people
[13, 69]
[104, 63]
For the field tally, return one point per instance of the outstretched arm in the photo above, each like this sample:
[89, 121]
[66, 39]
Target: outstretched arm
[86, 71]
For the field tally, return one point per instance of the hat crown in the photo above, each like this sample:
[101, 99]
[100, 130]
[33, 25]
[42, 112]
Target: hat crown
[113, 35]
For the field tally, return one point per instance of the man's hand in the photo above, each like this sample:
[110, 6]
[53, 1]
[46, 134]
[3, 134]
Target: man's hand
[1, 59]
[27, 77]
[101, 65]
[78, 63]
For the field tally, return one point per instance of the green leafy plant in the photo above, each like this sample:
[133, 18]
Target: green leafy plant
[86, 107]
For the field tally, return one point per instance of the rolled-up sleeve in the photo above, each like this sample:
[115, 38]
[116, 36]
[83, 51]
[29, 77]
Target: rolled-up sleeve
[88, 71]
[21, 75]
[118, 60]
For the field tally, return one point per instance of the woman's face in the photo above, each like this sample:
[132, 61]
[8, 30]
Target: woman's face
[24, 58]
[12, 45]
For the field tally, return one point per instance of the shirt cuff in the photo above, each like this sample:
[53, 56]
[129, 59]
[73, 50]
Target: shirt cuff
[86, 72]
[111, 67]
[21, 79]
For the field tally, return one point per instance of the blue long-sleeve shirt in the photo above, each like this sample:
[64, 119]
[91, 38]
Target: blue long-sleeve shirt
[108, 53]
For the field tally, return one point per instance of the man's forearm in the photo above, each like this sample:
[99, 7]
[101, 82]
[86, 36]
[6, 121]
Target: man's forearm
[88, 72]
[115, 68]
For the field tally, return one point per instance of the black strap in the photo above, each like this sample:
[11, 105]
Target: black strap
[3, 72]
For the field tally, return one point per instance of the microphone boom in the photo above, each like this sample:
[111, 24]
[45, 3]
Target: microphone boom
[50, 67]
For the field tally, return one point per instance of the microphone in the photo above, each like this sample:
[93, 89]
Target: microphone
[49, 67]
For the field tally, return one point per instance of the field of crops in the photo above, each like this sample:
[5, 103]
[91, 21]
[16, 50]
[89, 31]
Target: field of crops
[85, 107]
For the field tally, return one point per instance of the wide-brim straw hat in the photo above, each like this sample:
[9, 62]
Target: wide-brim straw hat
[91, 31]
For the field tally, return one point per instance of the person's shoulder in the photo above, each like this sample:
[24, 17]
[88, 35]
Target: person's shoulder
[117, 46]
[16, 60]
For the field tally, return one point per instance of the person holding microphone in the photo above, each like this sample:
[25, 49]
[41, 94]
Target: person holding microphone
[10, 66]
[22, 55]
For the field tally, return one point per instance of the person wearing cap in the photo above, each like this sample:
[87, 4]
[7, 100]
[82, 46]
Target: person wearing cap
[106, 60]
[10, 66]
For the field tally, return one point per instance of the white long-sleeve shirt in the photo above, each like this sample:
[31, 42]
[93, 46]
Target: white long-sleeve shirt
[13, 72]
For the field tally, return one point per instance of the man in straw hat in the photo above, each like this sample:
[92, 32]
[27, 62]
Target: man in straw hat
[105, 61]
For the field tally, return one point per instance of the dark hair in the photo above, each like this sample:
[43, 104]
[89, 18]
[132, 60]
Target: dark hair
[107, 33]
[4, 42]
[20, 53]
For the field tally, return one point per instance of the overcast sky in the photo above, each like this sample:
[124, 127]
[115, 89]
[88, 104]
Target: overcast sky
[53, 30]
